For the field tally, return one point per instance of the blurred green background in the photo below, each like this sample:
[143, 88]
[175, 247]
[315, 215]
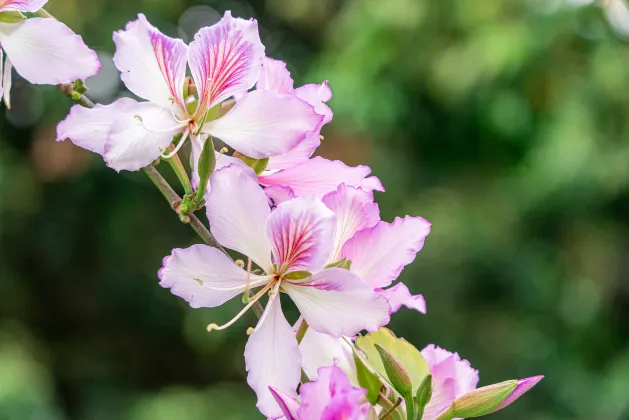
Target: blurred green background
[503, 122]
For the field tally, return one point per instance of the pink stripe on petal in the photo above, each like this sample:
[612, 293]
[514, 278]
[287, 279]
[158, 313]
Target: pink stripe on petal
[153, 65]
[301, 234]
[225, 59]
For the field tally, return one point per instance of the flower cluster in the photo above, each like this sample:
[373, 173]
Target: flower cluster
[306, 226]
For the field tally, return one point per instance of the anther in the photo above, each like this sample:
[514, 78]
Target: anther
[250, 330]
[224, 150]
[240, 263]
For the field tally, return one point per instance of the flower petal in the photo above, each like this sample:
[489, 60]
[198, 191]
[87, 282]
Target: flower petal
[317, 96]
[288, 404]
[194, 272]
[320, 176]
[153, 65]
[272, 358]
[237, 210]
[318, 350]
[335, 301]
[523, 386]
[297, 155]
[399, 295]
[130, 146]
[30, 6]
[225, 59]
[279, 194]
[331, 397]
[301, 234]
[274, 77]
[379, 253]
[45, 51]
[264, 124]
[354, 210]
[88, 128]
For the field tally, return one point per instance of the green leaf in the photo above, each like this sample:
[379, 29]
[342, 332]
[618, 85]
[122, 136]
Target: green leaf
[367, 380]
[258, 165]
[298, 275]
[344, 263]
[405, 353]
[12, 17]
[206, 166]
[424, 394]
[482, 401]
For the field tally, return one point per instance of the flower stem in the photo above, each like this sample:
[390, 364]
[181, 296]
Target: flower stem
[180, 171]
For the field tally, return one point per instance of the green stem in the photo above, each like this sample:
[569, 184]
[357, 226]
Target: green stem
[390, 408]
[180, 171]
[43, 14]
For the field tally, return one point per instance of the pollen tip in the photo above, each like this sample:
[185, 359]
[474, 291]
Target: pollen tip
[240, 263]
[250, 330]
[212, 327]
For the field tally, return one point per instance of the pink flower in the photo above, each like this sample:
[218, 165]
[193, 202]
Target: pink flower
[330, 397]
[225, 61]
[451, 377]
[295, 173]
[43, 51]
[295, 238]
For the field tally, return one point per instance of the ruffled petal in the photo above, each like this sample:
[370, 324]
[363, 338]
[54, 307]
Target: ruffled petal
[319, 350]
[225, 59]
[319, 176]
[153, 65]
[45, 51]
[399, 295]
[272, 358]
[296, 156]
[337, 302]
[30, 6]
[317, 96]
[237, 210]
[130, 146]
[379, 253]
[88, 128]
[301, 234]
[331, 397]
[354, 210]
[274, 77]
[194, 274]
[288, 404]
[264, 124]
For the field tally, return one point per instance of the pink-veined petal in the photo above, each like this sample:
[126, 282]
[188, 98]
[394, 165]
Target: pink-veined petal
[399, 295]
[237, 210]
[225, 59]
[194, 273]
[317, 96]
[272, 358]
[335, 301]
[354, 210]
[319, 176]
[301, 234]
[274, 77]
[45, 51]
[88, 128]
[264, 124]
[524, 385]
[30, 6]
[153, 65]
[130, 145]
[379, 253]
[332, 397]
[288, 404]
[279, 194]
[297, 155]
[319, 350]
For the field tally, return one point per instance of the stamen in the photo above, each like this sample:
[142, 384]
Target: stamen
[256, 283]
[247, 283]
[213, 327]
[271, 293]
[181, 142]
[180, 124]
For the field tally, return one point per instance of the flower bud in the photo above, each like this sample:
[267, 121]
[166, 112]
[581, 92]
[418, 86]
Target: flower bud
[396, 373]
